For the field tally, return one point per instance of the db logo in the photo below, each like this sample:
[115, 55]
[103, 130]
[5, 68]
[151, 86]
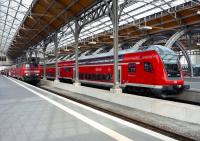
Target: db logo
[98, 69]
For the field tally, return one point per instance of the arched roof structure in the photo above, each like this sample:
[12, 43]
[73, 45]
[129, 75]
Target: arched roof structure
[45, 17]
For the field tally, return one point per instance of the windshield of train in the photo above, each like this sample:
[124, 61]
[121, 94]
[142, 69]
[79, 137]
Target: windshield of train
[170, 60]
[31, 65]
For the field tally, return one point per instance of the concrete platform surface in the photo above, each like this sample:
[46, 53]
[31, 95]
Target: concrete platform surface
[187, 112]
[31, 114]
[104, 100]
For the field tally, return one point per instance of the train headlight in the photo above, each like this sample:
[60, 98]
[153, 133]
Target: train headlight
[36, 71]
[27, 71]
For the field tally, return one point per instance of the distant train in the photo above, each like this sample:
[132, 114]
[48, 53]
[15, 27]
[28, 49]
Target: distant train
[155, 68]
[28, 71]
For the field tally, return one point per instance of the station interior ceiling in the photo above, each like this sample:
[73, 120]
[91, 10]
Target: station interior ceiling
[24, 24]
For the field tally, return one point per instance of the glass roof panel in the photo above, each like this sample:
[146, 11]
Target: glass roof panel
[11, 14]
[131, 12]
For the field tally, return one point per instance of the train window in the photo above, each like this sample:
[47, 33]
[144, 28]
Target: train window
[61, 57]
[81, 76]
[132, 67]
[98, 76]
[104, 50]
[108, 77]
[148, 67]
[27, 66]
[86, 76]
[67, 69]
[90, 52]
[94, 77]
[89, 76]
[104, 77]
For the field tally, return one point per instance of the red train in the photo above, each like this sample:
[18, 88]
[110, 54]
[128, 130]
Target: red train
[155, 68]
[27, 71]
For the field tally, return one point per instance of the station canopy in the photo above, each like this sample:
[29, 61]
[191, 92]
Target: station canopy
[15, 24]
[11, 15]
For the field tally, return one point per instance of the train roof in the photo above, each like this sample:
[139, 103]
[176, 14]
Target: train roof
[165, 53]
[162, 50]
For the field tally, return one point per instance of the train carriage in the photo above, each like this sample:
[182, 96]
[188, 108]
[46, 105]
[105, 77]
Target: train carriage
[28, 71]
[154, 68]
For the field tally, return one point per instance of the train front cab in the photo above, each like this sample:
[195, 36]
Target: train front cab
[156, 69]
[31, 73]
[169, 74]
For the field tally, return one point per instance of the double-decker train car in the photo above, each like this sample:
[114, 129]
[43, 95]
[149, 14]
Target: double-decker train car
[155, 68]
[26, 71]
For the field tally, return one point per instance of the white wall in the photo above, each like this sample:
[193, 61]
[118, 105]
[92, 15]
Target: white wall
[194, 58]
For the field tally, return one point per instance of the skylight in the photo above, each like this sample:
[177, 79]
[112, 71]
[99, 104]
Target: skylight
[11, 15]
[131, 13]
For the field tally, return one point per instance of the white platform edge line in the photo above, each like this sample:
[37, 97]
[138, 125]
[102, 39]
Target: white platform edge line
[126, 123]
[81, 117]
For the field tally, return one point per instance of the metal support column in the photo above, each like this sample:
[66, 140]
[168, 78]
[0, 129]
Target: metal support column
[76, 37]
[174, 40]
[56, 55]
[116, 88]
[189, 47]
[36, 53]
[44, 63]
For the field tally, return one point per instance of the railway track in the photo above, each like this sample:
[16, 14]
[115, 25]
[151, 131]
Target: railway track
[188, 97]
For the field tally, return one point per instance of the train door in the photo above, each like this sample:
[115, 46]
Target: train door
[131, 78]
[120, 75]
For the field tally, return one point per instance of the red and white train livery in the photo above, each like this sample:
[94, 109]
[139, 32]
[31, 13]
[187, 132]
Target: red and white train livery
[26, 71]
[154, 67]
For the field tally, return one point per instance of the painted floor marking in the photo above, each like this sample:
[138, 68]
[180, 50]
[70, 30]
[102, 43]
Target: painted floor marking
[116, 119]
[81, 117]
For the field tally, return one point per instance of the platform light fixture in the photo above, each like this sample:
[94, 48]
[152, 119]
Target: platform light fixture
[66, 49]
[111, 36]
[92, 43]
[145, 27]
[31, 17]
[198, 12]
[23, 27]
[198, 44]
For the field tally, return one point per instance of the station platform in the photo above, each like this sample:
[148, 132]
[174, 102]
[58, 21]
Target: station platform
[29, 113]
